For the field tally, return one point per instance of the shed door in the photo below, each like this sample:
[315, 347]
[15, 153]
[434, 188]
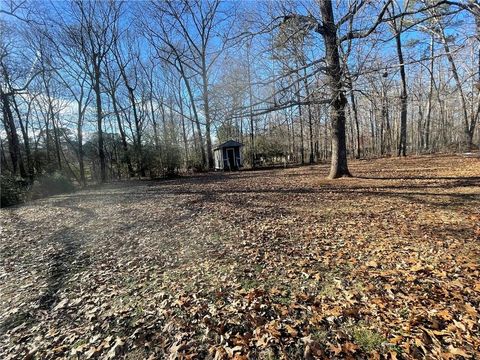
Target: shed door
[231, 158]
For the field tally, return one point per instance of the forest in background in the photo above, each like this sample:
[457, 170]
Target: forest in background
[94, 91]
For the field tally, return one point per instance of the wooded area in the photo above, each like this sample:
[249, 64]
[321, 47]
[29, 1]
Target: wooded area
[102, 90]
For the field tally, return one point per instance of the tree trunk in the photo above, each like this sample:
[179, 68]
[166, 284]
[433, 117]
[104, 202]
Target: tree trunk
[184, 130]
[123, 137]
[300, 116]
[12, 137]
[311, 159]
[402, 145]
[57, 140]
[81, 164]
[355, 117]
[138, 130]
[26, 141]
[98, 98]
[250, 99]
[430, 95]
[51, 115]
[195, 114]
[467, 130]
[136, 118]
[207, 120]
[339, 166]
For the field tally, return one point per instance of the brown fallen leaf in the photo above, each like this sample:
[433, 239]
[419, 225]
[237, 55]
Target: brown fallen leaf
[335, 349]
[291, 330]
[350, 347]
[458, 351]
[116, 348]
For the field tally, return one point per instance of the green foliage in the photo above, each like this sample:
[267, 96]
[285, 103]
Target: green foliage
[195, 161]
[163, 161]
[51, 184]
[271, 145]
[12, 190]
[171, 159]
[367, 339]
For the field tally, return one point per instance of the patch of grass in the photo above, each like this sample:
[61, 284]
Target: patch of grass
[79, 342]
[257, 268]
[358, 287]
[268, 354]
[284, 300]
[319, 336]
[367, 339]
[249, 284]
[217, 237]
[51, 184]
[404, 312]
[328, 289]
[137, 314]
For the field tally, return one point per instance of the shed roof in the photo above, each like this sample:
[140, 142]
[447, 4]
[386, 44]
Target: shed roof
[229, 143]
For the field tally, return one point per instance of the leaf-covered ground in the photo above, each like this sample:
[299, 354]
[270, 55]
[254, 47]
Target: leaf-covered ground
[279, 264]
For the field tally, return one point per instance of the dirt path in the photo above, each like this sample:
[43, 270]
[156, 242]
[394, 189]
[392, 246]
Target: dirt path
[267, 264]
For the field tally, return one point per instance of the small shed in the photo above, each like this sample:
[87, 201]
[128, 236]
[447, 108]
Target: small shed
[228, 156]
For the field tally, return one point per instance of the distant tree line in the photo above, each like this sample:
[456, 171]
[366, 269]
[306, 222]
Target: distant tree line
[104, 90]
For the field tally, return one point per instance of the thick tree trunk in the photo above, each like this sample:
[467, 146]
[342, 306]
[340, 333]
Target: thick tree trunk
[339, 166]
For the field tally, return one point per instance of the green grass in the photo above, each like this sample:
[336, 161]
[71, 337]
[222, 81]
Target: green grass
[367, 339]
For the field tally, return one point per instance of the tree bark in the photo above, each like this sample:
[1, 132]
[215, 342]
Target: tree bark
[430, 96]
[355, 117]
[136, 118]
[12, 137]
[123, 137]
[98, 98]
[300, 116]
[184, 130]
[402, 145]
[311, 158]
[26, 140]
[468, 130]
[250, 99]
[207, 114]
[339, 165]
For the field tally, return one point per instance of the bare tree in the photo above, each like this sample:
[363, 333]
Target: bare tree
[94, 29]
